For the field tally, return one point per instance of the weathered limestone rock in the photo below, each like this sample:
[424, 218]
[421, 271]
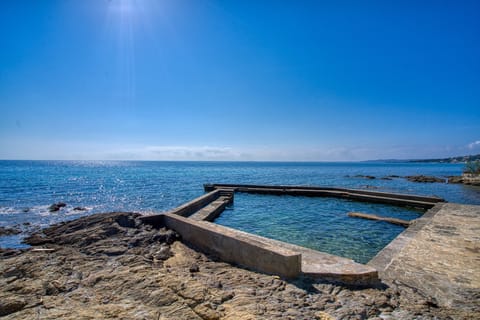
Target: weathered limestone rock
[11, 304]
[455, 179]
[466, 178]
[471, 179]
[81, 279]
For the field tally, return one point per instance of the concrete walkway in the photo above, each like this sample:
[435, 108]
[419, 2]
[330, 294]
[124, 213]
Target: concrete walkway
[321, 265]
[440, 256]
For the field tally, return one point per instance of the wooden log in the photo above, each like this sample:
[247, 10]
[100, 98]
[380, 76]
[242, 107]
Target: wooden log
[400, 222]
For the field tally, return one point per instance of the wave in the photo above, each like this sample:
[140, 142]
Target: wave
[44, 210]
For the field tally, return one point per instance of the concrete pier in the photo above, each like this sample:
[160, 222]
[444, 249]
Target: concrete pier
[264, 254]
[191, 221]
[423, 202]
[439, 255]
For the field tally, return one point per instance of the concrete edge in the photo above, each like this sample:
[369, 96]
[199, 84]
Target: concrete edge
[423, 202]
[235, 246]
[264, 254]
[212, 210]
[196, 204]
[382, 260]
[238, 187]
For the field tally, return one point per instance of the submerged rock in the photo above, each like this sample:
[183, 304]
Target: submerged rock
[364, 176]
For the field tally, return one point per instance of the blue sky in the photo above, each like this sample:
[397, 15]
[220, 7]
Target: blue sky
[239, 80]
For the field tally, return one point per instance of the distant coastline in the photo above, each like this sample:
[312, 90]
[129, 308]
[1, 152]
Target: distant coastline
[458, 159]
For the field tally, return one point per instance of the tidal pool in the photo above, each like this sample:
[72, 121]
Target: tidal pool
[317, 223]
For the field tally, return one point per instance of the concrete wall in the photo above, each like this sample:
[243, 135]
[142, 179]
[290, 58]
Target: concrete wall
[196, 204]
[211, 211]
[354, 194]
[236, 246]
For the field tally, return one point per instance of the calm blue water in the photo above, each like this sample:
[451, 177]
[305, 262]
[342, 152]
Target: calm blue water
[27, 188]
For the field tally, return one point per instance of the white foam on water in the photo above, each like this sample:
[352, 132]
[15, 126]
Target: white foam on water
[70, 210]
[8, 210]
[44, 210]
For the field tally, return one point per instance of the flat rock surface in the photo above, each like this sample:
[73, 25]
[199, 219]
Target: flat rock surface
[442, 260]
[111, 266]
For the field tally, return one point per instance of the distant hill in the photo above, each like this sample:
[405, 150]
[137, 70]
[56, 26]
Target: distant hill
[461, 159]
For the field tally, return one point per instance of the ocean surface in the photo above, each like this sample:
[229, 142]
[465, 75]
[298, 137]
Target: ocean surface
[28, 188]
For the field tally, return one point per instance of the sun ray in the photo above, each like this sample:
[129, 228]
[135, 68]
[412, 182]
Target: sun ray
[123, 17]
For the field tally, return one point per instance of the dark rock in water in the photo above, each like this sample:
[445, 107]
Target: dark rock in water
[79, 209]
[56, 206]
[426, 179]
[386, 178]
[9, 231]
[393, 176]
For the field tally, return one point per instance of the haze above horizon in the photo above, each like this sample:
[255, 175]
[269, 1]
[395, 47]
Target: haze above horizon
[237, 80]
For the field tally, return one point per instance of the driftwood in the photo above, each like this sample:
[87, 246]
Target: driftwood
[400, 222]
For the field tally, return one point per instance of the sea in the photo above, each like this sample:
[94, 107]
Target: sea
[28, 188]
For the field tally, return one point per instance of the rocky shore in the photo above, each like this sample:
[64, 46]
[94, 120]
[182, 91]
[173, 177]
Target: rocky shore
[112, 266]
[467, 179]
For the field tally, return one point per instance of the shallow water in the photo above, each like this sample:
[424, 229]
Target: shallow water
[27, 188]
[317, 223]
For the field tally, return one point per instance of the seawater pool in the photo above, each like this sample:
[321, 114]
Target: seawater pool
[28, 188]
[317, 223]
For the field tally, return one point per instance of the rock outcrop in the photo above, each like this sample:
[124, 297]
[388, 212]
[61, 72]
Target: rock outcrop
[56, 206]
[466, 178]
[9, 231]
[111, 266]
[425, 179]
